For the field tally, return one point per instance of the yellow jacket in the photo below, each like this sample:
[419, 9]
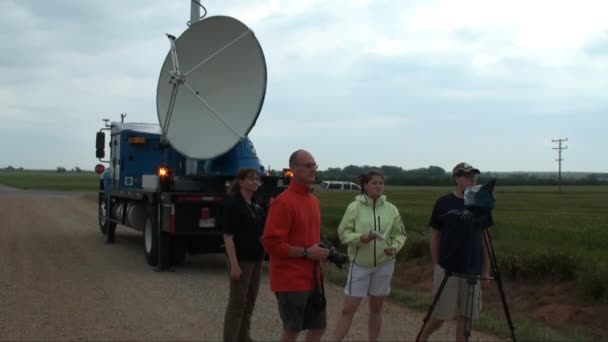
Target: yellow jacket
[364, 215]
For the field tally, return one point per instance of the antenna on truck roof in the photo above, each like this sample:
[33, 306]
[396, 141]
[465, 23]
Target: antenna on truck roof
[211, 87]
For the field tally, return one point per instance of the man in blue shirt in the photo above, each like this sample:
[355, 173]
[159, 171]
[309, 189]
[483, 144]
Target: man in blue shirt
[457, 246]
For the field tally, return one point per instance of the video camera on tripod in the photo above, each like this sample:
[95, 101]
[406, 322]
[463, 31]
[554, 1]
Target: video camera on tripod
[479, 201]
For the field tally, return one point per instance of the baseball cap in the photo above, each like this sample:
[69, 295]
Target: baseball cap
[463, 167]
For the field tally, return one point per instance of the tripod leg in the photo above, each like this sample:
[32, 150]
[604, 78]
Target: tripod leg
[446, 275]
[470, 303]
[498, 278]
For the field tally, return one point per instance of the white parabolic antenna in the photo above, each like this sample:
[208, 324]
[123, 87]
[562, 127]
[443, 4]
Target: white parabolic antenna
[211, 87]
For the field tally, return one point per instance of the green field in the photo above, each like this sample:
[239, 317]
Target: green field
[540, 234]
[51, 180]
[540, 237]
[538, 231]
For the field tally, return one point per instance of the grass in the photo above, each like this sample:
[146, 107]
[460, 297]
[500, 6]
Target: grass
[539, 233]
[50, 180]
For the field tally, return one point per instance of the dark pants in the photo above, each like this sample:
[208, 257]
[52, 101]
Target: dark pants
[243, 293]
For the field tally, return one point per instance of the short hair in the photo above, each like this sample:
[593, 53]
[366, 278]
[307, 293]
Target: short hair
[293, 157]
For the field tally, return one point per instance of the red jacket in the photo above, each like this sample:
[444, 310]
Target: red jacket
[294, 219]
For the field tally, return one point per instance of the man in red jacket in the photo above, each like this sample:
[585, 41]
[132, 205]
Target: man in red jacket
[291, 239]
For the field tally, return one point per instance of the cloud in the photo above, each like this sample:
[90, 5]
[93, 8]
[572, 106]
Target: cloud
[598, 46]
[369, 82]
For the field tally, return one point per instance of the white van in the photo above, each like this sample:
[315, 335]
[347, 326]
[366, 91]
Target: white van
[339, 186]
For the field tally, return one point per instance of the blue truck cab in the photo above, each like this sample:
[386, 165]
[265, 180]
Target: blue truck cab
[174, 200]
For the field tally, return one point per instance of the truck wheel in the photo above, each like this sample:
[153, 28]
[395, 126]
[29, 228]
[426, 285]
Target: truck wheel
[103, 214]
[151, 240]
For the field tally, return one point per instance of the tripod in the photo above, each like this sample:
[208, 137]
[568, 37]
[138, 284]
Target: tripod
[472, 281]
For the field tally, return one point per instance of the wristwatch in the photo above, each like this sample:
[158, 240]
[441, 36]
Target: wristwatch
[305, 253]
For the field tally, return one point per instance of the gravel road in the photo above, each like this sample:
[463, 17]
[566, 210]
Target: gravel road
[59, 281]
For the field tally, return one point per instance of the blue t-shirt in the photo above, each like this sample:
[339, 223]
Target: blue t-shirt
[460, 247]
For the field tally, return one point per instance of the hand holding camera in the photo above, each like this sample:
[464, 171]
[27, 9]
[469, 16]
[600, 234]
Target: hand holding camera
[334, 256]
[317, 252]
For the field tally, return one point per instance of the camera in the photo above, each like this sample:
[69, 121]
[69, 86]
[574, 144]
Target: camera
[479, 200]
[334, 256]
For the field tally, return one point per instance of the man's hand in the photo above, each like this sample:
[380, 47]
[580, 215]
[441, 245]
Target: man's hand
[485, 280]
[390, 251]
[235, 272]
[317, 253]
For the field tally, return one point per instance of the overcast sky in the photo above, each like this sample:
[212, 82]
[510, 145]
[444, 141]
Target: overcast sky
[405, 83]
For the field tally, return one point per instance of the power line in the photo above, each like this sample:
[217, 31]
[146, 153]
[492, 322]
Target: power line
[559, 149]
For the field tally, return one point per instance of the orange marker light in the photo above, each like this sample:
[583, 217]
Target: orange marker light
[136, 140]
[287, 173]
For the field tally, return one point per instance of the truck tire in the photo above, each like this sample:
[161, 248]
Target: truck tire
[157, 245]
[103, 212]
[151, 239]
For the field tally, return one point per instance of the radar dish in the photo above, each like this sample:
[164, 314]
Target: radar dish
[211, 87]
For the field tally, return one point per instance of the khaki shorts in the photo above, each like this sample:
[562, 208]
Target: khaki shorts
[453, 300]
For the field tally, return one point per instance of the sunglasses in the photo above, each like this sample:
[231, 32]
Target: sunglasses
[309, 165]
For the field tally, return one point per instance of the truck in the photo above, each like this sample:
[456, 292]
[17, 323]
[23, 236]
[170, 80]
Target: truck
[175, 201]
[169, 180]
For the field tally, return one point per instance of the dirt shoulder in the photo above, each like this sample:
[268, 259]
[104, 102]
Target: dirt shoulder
[59, 281]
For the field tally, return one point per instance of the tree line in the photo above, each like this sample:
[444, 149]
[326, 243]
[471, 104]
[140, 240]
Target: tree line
[437, 176]
[59, 169]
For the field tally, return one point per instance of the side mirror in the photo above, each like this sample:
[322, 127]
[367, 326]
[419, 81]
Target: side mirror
[100, 143]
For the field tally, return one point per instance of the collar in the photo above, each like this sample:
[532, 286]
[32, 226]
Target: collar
[301, 189]
[239, 197]
[363, 198]
[457, 195]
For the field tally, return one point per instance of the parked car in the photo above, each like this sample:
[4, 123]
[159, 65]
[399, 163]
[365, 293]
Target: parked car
[339, 186]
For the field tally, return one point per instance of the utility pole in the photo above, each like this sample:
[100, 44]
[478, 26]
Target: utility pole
[559, 149]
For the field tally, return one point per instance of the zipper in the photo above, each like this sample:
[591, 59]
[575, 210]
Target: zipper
[374, 213]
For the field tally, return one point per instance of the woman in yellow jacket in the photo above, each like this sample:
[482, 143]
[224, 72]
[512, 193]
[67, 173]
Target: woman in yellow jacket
[373, 231]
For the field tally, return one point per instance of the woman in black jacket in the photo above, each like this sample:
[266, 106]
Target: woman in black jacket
[243, 228]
